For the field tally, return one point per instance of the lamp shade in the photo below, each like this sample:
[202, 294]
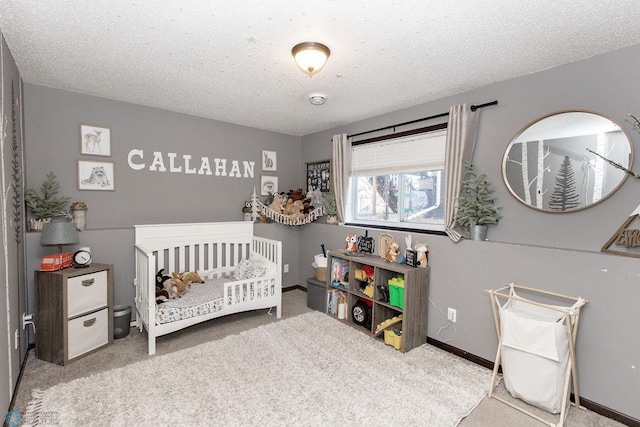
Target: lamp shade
[59, 233]
[310, 56]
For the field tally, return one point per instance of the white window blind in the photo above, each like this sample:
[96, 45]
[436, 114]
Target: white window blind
[413, 153]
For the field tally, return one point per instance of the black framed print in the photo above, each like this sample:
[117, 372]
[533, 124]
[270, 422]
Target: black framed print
[319, 176]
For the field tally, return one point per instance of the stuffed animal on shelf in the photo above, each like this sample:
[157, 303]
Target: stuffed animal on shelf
[351, 240]
[423, 257]
[278, 202]
[392, 252]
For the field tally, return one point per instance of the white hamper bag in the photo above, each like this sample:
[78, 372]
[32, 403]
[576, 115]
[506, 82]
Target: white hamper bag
[535, 354]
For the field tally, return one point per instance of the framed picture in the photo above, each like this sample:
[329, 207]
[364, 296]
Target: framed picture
[95, 141]
[269, 161]
[96, 176]
[319, 176]
[268, 185]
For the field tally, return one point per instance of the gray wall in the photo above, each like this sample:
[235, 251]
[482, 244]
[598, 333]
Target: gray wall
[12, 249]
[551, 251]
[558, 252]
[52, 139]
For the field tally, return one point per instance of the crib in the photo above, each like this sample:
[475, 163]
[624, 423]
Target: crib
[204, 247]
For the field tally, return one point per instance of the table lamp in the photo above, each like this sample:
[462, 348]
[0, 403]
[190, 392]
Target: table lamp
[59, 233]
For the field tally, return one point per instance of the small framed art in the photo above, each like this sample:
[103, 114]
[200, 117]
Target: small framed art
[96, 176]
[319, 175]
[268, 185]
[269, 161]
[95, 141]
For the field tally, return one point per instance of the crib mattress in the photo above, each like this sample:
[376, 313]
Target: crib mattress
[199, 300]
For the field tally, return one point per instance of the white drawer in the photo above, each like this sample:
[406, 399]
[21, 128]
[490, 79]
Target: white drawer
[87, 292]
[88, 332]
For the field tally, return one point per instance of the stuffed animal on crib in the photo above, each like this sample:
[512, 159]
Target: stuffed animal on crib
[392, 252]
[189, 277]
[175, 287]
[161, 294]
[351, 240]
[423, 257]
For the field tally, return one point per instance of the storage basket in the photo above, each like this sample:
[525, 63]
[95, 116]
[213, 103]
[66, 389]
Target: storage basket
[396, 292]
[321, 274]
[390, 338]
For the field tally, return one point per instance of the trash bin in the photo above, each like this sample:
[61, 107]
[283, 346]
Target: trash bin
[121, 321]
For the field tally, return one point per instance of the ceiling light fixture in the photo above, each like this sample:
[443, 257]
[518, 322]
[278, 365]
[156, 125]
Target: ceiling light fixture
[310, 56]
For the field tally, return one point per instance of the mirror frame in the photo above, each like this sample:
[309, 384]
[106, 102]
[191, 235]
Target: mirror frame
[538, 120]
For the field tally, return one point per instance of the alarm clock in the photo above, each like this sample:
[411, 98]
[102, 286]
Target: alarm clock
[82, 258]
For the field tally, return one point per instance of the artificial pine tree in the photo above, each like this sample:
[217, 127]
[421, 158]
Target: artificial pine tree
[46, 206]
[564, 194]
[476, 205]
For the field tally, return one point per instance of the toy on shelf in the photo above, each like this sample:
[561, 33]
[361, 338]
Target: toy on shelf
[422, 255]
[351, 243]
[396, 292]
[392, 252]
[365, 274]
[340, 273]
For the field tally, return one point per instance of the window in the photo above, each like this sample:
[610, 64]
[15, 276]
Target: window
[399, 182]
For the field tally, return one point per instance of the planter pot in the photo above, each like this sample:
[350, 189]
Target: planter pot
[36, 224]
[332, 219]
[478, 232]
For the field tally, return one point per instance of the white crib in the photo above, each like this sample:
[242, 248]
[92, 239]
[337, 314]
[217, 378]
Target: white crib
[202, 246]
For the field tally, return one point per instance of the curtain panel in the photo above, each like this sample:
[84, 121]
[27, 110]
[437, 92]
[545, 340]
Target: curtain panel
[340, 171]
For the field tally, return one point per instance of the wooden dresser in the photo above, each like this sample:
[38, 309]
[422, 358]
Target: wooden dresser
[74, 312]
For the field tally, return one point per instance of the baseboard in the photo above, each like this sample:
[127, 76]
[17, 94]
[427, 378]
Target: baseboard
[293, 288]
[590, 405]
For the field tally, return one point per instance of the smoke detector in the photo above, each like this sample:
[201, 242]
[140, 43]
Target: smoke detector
[317, 98]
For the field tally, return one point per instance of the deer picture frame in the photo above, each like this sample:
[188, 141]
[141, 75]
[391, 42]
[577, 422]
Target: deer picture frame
[95, 141]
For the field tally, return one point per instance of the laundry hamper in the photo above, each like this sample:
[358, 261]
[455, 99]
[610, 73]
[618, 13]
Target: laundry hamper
[536, 349]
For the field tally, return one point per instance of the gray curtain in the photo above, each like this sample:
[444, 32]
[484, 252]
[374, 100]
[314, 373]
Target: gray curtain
[461, 140]
[340, 171]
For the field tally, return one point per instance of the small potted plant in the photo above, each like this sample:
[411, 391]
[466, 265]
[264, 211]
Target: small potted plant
[46, 207]
[329, 207]
[476, 204]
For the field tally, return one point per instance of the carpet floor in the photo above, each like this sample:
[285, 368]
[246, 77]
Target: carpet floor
[132, 349]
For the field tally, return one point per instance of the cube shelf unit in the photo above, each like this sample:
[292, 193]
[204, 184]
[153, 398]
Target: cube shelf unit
[416, 295]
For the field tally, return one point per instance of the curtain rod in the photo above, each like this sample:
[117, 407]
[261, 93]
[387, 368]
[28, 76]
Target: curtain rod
[473, 108]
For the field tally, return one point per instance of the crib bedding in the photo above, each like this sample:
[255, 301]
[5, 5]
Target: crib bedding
[200, 299]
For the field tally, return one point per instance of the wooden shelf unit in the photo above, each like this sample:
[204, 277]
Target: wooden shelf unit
[416, 296]
[74, 312]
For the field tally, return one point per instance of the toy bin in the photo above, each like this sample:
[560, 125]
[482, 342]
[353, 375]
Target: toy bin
[392, 338]
[396, 292]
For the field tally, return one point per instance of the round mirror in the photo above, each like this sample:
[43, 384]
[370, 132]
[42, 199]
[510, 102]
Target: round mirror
[563, 162]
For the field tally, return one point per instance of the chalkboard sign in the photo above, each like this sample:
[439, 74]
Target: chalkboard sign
[319, 176]
[412, 257]
[365, 243]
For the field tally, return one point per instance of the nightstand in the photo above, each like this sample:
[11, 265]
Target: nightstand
[74, 312]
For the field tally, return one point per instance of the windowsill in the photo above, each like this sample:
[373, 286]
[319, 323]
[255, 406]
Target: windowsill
[396, 228]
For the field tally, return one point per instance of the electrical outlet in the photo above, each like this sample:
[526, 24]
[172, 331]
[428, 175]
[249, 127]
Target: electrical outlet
[286, 268]
[451, 315]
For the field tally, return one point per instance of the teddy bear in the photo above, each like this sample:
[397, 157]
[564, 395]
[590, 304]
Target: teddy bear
[296, 194]
[296, 209]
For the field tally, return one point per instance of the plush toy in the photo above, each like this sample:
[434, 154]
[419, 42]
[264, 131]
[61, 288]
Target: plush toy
[175, 287]
[315, 197]
[423, 257]
[189, 277]
[161, 294]
[278, 202]
[351, 240]
[392, 252]
[296, 194]
[307, 207]
[296, 209]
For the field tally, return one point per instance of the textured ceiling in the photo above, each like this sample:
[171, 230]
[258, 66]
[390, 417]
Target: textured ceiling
[231, 60]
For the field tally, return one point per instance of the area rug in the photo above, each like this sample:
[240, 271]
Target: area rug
[308, 370]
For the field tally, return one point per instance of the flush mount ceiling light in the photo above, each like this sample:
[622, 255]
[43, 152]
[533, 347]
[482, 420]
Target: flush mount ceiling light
[310, 56]
[317, 98]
